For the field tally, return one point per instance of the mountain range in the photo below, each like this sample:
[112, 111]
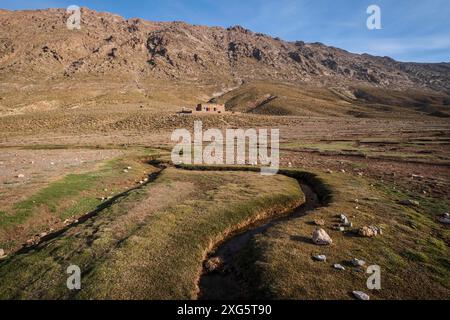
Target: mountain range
[37, 48]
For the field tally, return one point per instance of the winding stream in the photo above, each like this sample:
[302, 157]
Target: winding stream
[230, 284]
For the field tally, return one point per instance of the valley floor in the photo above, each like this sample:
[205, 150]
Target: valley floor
[150, 227]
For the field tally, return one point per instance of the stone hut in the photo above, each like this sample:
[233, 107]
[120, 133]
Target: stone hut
[210, 108]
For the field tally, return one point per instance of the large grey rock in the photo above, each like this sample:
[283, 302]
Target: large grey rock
[321, 237]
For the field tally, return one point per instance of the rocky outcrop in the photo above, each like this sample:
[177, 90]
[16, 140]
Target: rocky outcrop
[38, 44]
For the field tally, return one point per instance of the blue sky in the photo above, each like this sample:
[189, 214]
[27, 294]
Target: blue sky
[412, 30]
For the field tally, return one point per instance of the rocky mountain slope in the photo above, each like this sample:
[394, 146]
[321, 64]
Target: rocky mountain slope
[36, 46]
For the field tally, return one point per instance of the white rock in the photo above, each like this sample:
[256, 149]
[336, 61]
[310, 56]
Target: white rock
[361, 295]
[339, 267]
[321, 237]
[344, 219]
[20, 176]
[321, 258]
[446, 215]
[358, 263]
[2, 252]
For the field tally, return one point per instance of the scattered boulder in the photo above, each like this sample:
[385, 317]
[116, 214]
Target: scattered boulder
[320, 257]
[409, 202]
[358, 263]
[20, 176]
[361, 295]
[214, 264]
[344, 219]
[321, 237]
[2, 254]
[338, 266]
[370, 231]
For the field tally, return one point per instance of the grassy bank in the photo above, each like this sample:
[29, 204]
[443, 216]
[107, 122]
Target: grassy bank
[412, 252]
[150, 244]
[68, 198]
